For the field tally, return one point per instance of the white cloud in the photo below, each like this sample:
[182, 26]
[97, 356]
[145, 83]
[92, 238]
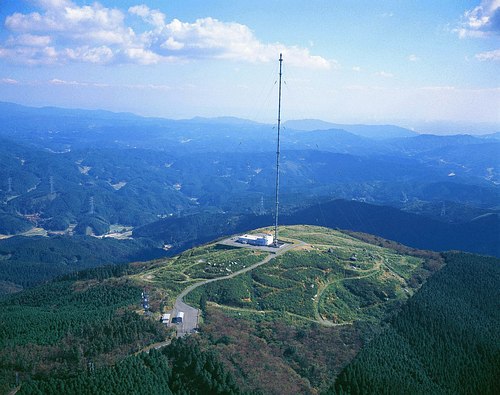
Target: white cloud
[67, 32]
[98, 55]
[211, 38]
[481, 21]
[384, 74]
[489, 56]
[153, 17]
[356, 68]
[29, 40]
[9, 81]
[172, 45]
[413, 58]
[30, 55]
[60, 82]
[57, 81]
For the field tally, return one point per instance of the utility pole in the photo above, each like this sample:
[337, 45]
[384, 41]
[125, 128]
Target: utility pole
[276, 244]
[51, 182]
[91, 204]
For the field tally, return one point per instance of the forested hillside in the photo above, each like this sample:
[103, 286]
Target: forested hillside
[91, 169]
[60, 327]
[444, 341]
[480, 235]
[28, 261]
[185, 182]
[306, 314]
[180, 368]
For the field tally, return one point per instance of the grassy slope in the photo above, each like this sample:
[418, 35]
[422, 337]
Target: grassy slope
[300, 309]
[445, 340]
[300, 318]
[332, 279]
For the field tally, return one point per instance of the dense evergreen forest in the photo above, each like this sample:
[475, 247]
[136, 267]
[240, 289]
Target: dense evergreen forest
[180, 368]
[478, 236]
[81, 334]
[444, 341]
[28, 261]
[57, 328]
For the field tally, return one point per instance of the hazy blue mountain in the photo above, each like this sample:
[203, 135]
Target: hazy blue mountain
[369, 131]
[480, 235]
[55, 162]
[495, 136]
[427, 142]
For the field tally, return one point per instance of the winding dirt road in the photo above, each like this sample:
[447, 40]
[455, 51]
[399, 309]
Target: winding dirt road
[191, 315]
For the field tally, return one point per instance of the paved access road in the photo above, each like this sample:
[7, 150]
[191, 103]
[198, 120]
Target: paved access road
[191, 314]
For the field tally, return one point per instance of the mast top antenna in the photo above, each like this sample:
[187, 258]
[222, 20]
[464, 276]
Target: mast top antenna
[276, 243]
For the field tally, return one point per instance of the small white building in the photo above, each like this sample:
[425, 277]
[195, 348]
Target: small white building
[179, 318]
[165, 318]
[262, 239]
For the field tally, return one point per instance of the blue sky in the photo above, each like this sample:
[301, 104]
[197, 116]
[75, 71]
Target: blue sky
[344, 61]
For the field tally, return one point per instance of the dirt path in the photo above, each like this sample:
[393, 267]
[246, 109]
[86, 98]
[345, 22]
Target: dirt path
[317, 315]
[155, 346]
[191, 315]
[14, 390]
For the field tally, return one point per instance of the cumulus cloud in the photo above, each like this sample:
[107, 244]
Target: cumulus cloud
[489, 56]
[481, 21]
[413, 58]
[65, 31]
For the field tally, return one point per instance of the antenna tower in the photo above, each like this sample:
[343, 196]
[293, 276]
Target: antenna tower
[261, 208]
[276, 244]
[443, 209]
[9, 185]
[91, 204]
[51, 182]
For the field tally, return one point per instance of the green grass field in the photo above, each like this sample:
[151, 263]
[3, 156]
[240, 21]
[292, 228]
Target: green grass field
[331, 278]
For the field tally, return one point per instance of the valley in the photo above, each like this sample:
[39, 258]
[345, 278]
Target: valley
[293, 287]
[104, 207]
[249, 197]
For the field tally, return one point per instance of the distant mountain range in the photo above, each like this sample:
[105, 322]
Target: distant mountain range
[480, 235]
[377, 132]
[72, 180]
[87, 172]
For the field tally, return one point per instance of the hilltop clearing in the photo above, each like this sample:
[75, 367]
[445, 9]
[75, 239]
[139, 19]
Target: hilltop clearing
[444, 341]
[307, 312]
[306, 291]
[354, 306]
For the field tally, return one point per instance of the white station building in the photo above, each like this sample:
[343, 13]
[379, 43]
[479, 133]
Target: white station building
[262, 239]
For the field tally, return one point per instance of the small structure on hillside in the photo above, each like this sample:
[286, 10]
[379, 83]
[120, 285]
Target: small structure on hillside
[165, 319]
[145, 300]
[178, 319]
[261, 239]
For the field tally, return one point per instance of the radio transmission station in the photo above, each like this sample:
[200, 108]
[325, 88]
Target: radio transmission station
[276, 243]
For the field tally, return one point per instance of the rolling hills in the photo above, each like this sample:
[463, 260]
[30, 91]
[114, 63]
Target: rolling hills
[54, 161]
[76, 173]
[96, 315]
[480, 234]
[306, 313]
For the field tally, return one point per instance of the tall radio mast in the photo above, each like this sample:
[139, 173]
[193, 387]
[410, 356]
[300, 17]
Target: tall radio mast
[278, 158]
